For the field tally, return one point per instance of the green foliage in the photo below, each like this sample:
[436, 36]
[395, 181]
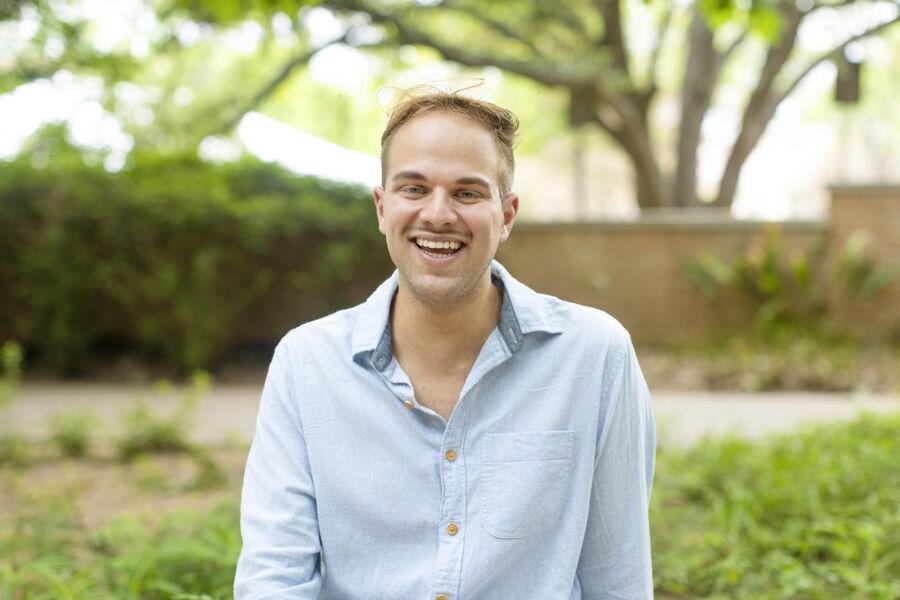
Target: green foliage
[812, 514]
[71, 432]
[790, 293]
[806, 515]
[167, 257]
[14, 448]
[792, 358]
[10, 371]
[784, 290]
[861, 278]
[146, 430]
[53, 556]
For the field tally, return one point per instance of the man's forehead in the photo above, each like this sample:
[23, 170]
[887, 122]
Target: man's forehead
[446, 138]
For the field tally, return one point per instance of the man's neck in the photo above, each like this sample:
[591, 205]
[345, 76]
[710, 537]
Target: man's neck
[451, 336]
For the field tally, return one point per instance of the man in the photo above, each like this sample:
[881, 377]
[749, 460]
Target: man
[457, 436]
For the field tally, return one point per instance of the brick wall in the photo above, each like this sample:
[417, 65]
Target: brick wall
[632, 270]
[876, 211]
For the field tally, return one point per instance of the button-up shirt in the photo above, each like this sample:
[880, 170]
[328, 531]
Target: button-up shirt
[536, 487]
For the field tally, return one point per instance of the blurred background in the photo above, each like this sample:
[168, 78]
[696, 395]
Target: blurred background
[183, 181]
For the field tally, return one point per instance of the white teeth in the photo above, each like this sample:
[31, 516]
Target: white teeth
[430, 244]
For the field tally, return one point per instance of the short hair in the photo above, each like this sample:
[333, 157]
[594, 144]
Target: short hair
[500, 122]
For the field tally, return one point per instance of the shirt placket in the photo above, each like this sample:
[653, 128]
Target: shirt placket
[452, 526]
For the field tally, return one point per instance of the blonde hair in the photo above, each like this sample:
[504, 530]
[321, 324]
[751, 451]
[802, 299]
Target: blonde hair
[502, 123]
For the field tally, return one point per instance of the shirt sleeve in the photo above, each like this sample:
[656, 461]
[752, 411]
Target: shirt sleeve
[615, 557]
[280, 557]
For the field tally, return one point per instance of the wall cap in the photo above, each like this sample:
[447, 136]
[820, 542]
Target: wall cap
[865, 189]
[671, 222]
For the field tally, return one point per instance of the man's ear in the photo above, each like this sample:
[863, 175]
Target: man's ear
[510, 208]
[378, 196]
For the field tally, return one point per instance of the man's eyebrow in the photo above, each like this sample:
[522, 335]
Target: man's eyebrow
[474, 181]
[408, 175]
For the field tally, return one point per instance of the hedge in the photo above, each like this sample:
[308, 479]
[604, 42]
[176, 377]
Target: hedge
[165, 258]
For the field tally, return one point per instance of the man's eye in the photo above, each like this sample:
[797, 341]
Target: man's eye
[468, 195]
[412, 189]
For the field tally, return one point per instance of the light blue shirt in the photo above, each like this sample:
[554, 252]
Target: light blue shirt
[351, 491]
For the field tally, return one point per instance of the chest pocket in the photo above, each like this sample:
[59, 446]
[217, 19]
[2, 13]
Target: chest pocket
[525, 477]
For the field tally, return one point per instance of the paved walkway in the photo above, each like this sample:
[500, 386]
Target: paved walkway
[228, 412]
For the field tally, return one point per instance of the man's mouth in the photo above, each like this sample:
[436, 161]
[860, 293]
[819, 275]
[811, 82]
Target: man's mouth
[438, 249]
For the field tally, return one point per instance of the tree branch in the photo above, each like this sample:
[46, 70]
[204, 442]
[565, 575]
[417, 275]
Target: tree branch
[761, 108]
[552, 75]
[498, 26]
[658, 44]
[612, 32]
[831, 53]
[269, 88]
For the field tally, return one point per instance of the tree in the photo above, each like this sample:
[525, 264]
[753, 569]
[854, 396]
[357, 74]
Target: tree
[585, 47]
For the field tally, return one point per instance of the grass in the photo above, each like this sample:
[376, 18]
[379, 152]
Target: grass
[811, 515]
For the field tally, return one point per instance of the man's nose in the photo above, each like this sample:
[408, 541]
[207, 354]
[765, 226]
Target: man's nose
[438, 209]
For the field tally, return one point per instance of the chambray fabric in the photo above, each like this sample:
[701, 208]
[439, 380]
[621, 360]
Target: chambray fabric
[348, 493]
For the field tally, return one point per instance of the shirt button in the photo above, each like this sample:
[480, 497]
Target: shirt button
[441, 597]
[407, 404]
[452, 528]
[451, 455]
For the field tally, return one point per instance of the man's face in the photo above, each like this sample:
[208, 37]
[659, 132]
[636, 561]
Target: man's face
[442, 189]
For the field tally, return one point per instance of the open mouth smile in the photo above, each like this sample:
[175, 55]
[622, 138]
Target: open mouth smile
[438, 250]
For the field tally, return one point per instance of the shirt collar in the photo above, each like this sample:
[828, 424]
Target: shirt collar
[523, 311]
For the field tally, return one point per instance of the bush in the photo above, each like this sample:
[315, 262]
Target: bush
[14, 448]
[71, 432]
[812, 514]
[146, 430]
[168, 256]
[806, 515]
[791, 292]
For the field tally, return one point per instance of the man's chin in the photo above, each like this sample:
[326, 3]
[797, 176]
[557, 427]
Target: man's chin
[440, 291]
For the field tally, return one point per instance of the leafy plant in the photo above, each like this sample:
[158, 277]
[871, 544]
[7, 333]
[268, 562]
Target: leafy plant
[166, 259]
[148, 430]
[860, 276]
[71, 432]
[810, 514]
[14, 448]
[789, 292]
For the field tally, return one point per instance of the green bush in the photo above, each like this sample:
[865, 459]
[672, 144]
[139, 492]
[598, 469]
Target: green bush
[805, 515]
[71, 432]
[14, 448]
[168, 256]
[146, 430]
[790, 292]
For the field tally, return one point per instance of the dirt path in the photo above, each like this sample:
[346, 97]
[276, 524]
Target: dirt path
[228, 412]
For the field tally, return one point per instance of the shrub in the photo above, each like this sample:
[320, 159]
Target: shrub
[14, 448]
[790, 292]
[71, 432]
[148, 430]
[811, 514]
[168, 256]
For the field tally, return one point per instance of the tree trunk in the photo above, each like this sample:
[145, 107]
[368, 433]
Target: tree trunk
[579, 173]
[700, 76]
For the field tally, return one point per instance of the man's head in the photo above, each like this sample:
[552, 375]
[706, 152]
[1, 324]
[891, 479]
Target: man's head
[501, 123]
[445, 204]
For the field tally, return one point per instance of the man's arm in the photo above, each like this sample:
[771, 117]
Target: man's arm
[279, 526]
[615, 558]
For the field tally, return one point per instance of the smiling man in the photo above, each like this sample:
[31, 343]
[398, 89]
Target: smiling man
[458, 435]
